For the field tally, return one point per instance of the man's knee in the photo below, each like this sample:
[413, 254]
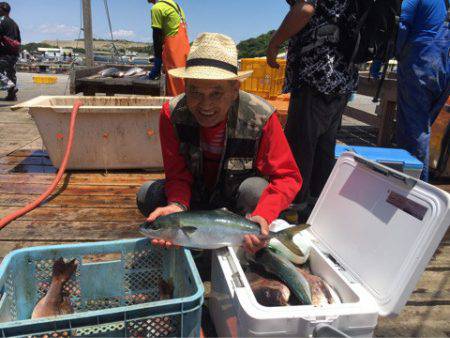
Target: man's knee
[150, 196]
[249, 193]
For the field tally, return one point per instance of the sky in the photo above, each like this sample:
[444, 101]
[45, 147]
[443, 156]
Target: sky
[61, 19]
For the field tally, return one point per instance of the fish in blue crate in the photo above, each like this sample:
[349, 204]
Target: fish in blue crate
[55, 302]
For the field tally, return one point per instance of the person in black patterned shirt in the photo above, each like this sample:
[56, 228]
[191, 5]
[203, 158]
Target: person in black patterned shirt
[320, 81]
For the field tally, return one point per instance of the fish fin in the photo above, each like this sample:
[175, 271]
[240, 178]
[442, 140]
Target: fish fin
[225, 210]
[188, 230]
[285, 237]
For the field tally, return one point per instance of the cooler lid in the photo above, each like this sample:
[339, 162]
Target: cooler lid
[381, 226]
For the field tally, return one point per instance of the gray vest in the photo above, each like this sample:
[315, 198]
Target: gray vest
[246, 120]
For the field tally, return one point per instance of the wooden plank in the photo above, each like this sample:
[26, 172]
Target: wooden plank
[63, 201]
[368, 86]
[16, 117]
[26, 168]
[60, 231]
[387, 124]
[18, 132]
[84, 178]
[445, 187]
[7, 147]
[416, 321]
[29, 152]
[362, 116]
[35, 144]
[441, 259]
[432, 288]
[30, 160]
[77, 190]
[78, 214]
[447, 236]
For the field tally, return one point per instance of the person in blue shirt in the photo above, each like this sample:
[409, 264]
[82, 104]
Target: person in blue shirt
[422, 52]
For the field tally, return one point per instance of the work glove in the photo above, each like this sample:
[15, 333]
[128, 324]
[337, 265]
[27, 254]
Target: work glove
[375, 69]
[156, 70]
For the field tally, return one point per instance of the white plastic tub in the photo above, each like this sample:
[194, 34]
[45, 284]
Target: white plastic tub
[373, 232]
[110, 132]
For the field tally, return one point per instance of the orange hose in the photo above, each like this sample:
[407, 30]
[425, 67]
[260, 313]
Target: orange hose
[6, 220]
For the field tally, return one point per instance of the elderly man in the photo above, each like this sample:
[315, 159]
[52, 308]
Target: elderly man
[221, 147]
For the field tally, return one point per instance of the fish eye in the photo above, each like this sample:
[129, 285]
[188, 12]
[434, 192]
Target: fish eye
[155, 226]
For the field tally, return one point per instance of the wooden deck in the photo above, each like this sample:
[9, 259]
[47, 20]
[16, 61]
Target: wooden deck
[94, 206]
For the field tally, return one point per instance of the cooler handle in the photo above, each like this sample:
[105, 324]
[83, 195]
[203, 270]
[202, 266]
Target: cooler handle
[410, 182]
[325, 330]
[235, 276]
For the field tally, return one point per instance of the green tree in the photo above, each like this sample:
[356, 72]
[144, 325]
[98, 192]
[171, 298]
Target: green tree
[256, 47]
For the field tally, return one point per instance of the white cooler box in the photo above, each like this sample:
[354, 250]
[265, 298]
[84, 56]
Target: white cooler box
[373, 232]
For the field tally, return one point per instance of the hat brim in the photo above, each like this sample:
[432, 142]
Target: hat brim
[208, 73]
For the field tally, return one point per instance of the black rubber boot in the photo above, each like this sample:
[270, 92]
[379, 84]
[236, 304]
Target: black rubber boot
[12, 94]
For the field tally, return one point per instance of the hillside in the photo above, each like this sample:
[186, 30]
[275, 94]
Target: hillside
[104, 45]
[255, 47]
[99, 45]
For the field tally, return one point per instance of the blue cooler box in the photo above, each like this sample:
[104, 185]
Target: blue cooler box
[397, 159]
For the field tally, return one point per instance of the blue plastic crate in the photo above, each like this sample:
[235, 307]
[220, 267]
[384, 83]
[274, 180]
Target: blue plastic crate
[115, 291]
[397, 159]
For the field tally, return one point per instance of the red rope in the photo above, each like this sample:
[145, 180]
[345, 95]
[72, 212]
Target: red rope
[6, 220]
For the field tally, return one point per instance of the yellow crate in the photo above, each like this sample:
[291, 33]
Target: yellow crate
[40, 79]
[265, 81]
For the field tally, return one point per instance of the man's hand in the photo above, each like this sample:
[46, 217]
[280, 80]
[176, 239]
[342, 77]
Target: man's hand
[271, 54]
[297, 18]
[170, 209]
[156, 69]
[251, 242]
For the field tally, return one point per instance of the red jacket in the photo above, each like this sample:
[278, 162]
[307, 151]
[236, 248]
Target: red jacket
[274, 161]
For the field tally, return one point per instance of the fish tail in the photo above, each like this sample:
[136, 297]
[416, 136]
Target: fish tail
[285, 237]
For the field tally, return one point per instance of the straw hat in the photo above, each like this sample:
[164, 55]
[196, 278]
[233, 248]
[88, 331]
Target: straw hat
[213, 56]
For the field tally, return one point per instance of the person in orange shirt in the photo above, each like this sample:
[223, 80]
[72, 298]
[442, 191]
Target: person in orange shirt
[170, 42]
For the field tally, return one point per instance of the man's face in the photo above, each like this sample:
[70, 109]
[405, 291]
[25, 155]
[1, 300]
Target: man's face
[210, 100]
